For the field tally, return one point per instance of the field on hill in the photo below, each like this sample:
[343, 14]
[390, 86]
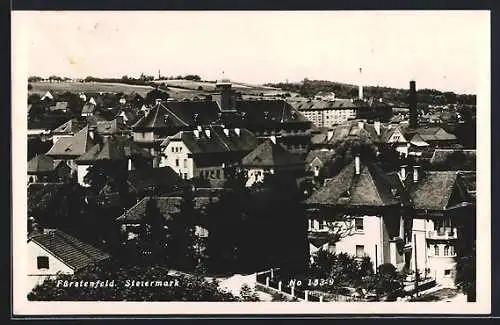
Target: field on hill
[210, 86]
[75, 87]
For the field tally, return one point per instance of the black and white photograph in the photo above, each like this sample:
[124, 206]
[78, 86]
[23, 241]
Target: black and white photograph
[260, 162]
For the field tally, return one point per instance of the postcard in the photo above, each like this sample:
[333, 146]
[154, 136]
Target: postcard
[229, 163]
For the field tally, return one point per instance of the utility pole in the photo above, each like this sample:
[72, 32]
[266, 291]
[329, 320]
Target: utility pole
[416, 267]
[376, 259]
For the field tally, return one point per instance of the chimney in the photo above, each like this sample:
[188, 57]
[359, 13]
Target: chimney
[357, 164]
[360, 124]
[226, 131]
[360, 86]
[402, 172]
[329, 135]
[412, 101]
[237, 131]
[415, 174]
[376, 125]
[207, 133]
[196, 134]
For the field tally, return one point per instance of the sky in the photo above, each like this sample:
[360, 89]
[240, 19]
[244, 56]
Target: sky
[439, 50]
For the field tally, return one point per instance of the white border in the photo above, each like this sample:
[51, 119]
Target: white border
[22, 307]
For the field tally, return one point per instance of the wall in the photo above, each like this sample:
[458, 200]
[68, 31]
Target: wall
[257, 175]
[36, 276]
[168, 158]
[56, 137]
[81, 172]
[143, 136]
[372, 235]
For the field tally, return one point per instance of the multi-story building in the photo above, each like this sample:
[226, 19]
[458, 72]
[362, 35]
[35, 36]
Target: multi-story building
[414, 220]
[327, 113]
[206, 151]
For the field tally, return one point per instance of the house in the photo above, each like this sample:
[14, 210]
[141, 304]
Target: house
[443, 220]
[42, 168]
[278, 119]
[433, 136]
[413, 219]
[273, 158]
[128, 116]
[88, 109]
[454, 159]
[381, 134]
[59, 107]
[47, 96]
[132, 221]
[120, 151]
[205, 152]
[358, 212]
[153, 180]
[92, 101]
[70, 148]
[316, 160]
[53, 252]
[67, 129]
[109, 128]
[325, 95]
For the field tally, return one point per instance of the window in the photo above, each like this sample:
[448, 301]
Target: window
[177, 163]
[172, 149]
[447, 272]
[185, 175]
[436, 250]
[217, 173]
[42, 262]
[359, 224]
[185, 163]
[360, 251]
[447, 250]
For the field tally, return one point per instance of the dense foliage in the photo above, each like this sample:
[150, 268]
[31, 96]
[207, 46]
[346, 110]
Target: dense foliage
[183, 287]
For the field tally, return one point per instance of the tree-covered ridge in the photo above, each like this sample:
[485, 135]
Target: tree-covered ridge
[398, 97]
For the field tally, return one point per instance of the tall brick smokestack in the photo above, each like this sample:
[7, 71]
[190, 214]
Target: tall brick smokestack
[412, 100]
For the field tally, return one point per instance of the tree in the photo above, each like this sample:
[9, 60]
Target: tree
[177, 288]
[466, 275]
[155, 94]
[387, 281]
[247, 294]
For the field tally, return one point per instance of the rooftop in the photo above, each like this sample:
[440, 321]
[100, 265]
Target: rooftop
[269, 154]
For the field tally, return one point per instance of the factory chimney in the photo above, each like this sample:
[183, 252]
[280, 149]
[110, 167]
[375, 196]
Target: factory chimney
[412, 101]
[360, 85]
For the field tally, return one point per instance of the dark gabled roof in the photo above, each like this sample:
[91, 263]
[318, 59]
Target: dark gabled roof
[141, 179]
[88, 108]
[194, 112]
[68, 249]
[113, 148]
[70, 127]
[433, 190]
[218, 142]
[325, 104]
[109, 127]
[433, 133]
[370, 188]
[167, 205]
[159, 117]
[73, 146]
[257, 111]
[41, 164]
[441, 155]
[59, 106]
[269, 154]
[323, 155]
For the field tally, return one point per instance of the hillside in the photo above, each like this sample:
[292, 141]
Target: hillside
[398, 97]
[76, 87]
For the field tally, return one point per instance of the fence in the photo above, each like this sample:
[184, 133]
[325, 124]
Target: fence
[268, 280]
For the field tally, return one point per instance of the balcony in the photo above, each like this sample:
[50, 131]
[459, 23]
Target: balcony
[448, 233]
